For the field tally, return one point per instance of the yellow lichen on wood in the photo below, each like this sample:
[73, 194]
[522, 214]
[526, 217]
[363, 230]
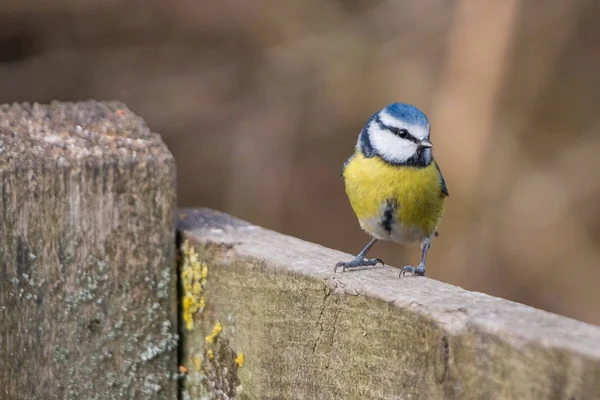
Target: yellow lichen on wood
[188, 311]
[193, 278]
[216, 331]
[196, 288]
[211, 360]
[197, 362]
[239, 360]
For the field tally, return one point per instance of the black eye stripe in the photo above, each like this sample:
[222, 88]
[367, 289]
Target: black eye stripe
[396, 131]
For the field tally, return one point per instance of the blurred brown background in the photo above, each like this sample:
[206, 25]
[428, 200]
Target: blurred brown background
[262, 101]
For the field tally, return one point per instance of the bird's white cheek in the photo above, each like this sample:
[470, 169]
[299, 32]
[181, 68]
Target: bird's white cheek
[392, 147]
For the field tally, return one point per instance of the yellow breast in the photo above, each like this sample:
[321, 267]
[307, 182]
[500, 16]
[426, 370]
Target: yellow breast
[371, 182]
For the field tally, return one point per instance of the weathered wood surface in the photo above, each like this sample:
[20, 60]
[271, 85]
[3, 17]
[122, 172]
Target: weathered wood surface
[87, 261]
[308, 333]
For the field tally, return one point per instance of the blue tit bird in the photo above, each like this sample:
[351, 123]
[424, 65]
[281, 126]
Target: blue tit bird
[394, 185]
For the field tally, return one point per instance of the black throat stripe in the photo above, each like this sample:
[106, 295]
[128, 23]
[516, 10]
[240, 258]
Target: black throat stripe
[387, 219]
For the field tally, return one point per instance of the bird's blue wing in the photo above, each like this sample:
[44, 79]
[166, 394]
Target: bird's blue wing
[442, 181]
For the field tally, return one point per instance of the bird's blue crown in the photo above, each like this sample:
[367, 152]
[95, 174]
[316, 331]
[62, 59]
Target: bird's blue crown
[411, 115]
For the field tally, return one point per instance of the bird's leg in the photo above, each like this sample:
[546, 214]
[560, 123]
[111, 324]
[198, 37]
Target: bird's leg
[360, 260]
[420, 269]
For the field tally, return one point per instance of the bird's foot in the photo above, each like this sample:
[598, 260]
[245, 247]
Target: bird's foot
[420, 270]
[358, 262]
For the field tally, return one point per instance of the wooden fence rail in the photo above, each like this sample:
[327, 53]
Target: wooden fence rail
[307, 333]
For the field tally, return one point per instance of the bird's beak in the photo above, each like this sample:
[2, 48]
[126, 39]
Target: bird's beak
[425, 143]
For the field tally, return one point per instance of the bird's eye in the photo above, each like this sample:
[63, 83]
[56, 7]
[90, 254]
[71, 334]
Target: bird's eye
[403, 133]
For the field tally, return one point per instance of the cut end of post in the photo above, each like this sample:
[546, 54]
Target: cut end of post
[72, 131]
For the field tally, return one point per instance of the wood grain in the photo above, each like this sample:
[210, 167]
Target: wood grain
[87, 287]
[309, 333]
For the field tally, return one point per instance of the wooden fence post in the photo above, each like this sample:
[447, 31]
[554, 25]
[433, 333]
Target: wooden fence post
[87, 278]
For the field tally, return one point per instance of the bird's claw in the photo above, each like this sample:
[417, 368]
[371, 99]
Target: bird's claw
[358, 262]
[340, 264]
[417, 271]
